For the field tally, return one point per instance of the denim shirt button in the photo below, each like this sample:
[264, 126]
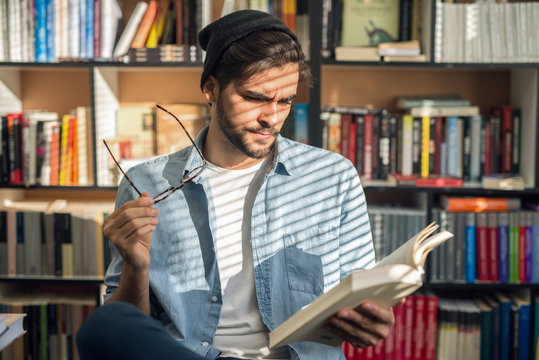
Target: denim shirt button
[214, 298]
[205, 343]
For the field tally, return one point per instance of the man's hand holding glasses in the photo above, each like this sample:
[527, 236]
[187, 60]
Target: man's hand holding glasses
[130, 227]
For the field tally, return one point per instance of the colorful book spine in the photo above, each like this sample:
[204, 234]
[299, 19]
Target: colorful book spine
[492, 229]
[535, 245]
[452, 134]
[503, 246]
[407, 138]
[470, 248]
[513, 248]
[425, 146]
[482, 246]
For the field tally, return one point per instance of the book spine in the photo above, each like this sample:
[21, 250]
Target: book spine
[416, 145]
[475, 163]
[452, 146]
[425, 145]
[384, 148]
[368, 145]
[513, 247]
[507, 139]
[528, 246]
[470, 248]
[482, 247]
[517, 122]
[492, 224]
[360, 131]
[503, 246]
[535, 245]
[346, 120]
[522, 247]
[431, 322]
[352, 142]
[406, 144]
[419, 327]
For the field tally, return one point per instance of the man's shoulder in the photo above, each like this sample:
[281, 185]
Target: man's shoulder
[157, 163]
[300, 154]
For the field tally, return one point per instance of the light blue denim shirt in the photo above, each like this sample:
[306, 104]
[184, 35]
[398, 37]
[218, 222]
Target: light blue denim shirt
[309, 229]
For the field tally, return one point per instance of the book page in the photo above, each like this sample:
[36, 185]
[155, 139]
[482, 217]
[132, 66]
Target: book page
[405, 253]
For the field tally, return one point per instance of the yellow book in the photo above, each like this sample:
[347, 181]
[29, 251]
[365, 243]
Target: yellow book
[156, 31]
[425, 145]
[63, 151]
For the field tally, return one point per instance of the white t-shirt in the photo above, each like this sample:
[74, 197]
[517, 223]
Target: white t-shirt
[240, 332]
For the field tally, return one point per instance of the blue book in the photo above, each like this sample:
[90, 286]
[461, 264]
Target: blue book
[503, 246]
[524, 320]
[301, 123]
[49, 4]
[470, 247]
[453, 146]
[40, 30]
[505, 325]
[535, 245]
[89, 29]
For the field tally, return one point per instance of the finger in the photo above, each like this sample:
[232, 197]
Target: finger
[355, 337]
[379, 313]
[134, 227]
[355, 322]
[144, 201]
[127, 220]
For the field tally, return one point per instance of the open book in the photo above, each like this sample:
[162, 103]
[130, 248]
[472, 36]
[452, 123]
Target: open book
[11, 327]
[395, 277]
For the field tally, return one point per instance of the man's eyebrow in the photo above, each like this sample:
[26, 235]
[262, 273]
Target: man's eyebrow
[260, 96]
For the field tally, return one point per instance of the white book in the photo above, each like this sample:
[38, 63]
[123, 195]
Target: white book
[130, 30]
[14, 26]
[73, 28]
[445, 111]
[64, 29]
[111, 14]
[395, 277]
[4, 55]
[11, 327]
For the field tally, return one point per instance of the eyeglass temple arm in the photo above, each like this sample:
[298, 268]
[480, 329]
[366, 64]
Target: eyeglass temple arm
[119, 167]
[185, 130]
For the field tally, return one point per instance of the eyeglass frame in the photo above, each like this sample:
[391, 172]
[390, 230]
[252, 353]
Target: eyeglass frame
[184, 180]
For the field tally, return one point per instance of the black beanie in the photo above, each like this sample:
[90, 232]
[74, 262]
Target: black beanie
[219, 35]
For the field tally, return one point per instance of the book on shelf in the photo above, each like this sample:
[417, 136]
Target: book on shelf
[503, 181]
[145, 26]
[449, 100]
[395, 277]
[130, 30]
[444, 111]
[479, 204]
[399, 48]
[429, 181]
[369, 23]
[11, 327]
[401, 58]
[356, 53]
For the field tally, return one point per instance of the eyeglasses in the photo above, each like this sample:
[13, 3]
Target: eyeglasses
[184, 180]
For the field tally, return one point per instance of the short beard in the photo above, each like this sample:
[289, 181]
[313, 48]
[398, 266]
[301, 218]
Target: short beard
[236, 138]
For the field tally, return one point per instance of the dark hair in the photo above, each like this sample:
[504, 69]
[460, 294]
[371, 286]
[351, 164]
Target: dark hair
[259, 51]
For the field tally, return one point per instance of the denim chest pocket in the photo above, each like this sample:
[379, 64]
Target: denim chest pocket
[305, 254]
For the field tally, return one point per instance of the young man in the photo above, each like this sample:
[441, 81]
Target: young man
[266, 228]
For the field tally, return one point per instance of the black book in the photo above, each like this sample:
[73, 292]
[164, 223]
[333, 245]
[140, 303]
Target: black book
[360, 133]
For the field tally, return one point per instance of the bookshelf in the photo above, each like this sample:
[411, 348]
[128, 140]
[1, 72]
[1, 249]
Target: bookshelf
[105, 85]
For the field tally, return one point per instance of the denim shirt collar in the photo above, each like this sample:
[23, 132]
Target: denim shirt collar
[280, 158]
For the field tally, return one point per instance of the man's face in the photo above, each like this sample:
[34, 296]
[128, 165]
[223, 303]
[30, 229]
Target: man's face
[251, 114]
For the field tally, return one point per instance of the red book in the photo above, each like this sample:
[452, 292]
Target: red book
[408, 327]
[346, 120]
[352, 142]
[398, 352]
[379, 350]
[418, 342]
[389, 348]
[507, 139]
[482, 251]
[522, 248]
[358, 354]
[368, 353]
[367, 147]
[431, 324]
[55, 155]
[492, 229]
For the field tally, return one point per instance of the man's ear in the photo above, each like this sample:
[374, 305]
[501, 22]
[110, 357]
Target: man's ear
[211, 89]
